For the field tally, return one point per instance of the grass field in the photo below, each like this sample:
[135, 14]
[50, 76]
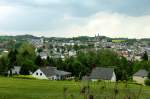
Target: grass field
[118, 41]
[11, 88]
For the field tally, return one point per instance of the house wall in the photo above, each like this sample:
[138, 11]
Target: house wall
[15, 70]
[44, 57]
[113, 79]
[39, 74]
[54, 77]
[94, 79]
[139, 80]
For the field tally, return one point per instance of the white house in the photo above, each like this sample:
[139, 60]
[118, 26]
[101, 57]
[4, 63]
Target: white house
[72, 53]
[51, 73]
[101, 73]
[43, 55]
[15, 70]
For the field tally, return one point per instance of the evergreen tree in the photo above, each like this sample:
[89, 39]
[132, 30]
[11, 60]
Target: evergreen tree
[145, 56]
[12, 58]
[38, 61]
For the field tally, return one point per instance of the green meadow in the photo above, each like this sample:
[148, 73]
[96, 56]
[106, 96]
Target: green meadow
[118, 41]
[11, 88]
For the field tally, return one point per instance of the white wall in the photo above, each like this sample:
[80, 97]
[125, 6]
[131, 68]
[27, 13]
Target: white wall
[54, 77]
[113, 79]
[44, 57]
[39, 74]
[139, 80]
[15, 70]
[94, 79]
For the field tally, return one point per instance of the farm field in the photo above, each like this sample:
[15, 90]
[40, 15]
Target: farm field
[11, 88]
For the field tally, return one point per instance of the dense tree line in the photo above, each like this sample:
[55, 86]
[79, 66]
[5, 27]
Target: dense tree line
[83, 63]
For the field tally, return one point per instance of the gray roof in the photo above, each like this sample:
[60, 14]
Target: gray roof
[49, 71]
[102, 73]
[62, 73]
[141, 73]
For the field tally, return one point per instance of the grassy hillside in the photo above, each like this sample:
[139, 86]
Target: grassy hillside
[42, 89]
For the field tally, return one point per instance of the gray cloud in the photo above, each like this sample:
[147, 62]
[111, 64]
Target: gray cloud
[58, 15]
[87, 7]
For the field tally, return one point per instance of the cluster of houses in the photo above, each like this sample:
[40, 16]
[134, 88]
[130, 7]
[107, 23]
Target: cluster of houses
[57, 48]
[65, 48]
[98, 73]
[53, 49]
[62, 49]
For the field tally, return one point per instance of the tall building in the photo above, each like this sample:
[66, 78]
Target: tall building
[97, 37]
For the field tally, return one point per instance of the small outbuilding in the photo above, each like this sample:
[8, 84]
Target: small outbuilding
[140, 76]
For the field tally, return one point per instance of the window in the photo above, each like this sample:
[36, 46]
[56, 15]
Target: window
[41, 74]
[36, 73]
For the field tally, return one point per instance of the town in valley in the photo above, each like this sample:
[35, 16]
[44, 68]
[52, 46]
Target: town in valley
[51, 57]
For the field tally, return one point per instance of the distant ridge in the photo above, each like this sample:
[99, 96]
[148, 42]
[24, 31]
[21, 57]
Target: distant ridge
[28, 36]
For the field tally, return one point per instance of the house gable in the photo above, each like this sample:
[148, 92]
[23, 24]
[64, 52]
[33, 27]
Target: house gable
[39, 74]
[113, 79]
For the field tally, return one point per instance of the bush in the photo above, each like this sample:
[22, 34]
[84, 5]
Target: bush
[147, 82]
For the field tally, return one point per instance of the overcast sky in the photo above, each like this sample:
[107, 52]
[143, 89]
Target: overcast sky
[69, 18]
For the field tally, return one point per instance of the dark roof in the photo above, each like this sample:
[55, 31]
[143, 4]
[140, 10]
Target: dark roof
[102, 73]
[141, 73]
[49, 71]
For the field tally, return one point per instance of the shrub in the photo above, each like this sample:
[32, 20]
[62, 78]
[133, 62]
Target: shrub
[77, 79]
[147, 82]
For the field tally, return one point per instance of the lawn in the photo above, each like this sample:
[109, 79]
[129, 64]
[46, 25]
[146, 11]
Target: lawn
[11, 88]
